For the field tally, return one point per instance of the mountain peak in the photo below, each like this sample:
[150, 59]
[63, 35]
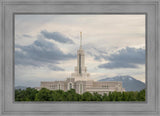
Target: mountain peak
[129, 83]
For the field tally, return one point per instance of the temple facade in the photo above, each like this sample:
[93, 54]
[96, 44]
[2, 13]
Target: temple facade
[80, 79]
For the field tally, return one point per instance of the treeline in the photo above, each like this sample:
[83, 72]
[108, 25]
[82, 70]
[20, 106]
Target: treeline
[31, 94]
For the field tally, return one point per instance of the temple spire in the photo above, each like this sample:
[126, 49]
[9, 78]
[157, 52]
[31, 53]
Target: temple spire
[80, 40]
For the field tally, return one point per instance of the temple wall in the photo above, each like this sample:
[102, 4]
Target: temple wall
[84, 86]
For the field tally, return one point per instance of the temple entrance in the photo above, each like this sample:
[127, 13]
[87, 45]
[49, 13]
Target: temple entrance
[70, 86]
[80, 88]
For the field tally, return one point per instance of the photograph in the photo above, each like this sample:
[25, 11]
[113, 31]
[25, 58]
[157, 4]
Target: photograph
[80, 57]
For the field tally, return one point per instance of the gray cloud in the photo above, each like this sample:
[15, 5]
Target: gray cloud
[56, 68]
[96, 53]
[40, 53]
[28, 36]
[56, 36]
[96, 57]
[125, 58]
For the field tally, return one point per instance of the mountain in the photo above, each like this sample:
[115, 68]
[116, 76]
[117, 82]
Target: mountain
[129, 83]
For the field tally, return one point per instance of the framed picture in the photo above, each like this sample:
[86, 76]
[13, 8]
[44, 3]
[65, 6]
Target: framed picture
[79, 57]
[49, 55]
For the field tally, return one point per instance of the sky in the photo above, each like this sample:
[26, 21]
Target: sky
[46, 46]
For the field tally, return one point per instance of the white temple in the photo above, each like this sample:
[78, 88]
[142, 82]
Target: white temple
[80, 80]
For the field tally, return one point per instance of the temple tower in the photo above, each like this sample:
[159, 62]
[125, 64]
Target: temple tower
[80, 69]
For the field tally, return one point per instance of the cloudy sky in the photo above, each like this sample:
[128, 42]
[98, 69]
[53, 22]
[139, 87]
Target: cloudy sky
[46, 46]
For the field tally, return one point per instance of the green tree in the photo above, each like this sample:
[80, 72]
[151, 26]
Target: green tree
[71, 95]
[43, 95]
[31, 94]
[25, 95]
[97, 97]
[87, 96]
[105, 97]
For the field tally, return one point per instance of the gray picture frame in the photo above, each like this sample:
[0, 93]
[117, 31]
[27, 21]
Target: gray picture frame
[10, 7]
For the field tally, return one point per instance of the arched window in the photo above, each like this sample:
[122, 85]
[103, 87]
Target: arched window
[59, 86]
[80, 88]
[52, 86]
[70, 86]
